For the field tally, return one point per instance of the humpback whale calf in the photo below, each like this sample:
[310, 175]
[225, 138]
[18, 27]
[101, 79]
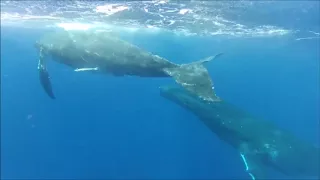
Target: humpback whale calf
[261, 143]
[103, 52]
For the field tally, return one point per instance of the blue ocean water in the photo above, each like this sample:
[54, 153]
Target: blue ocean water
[105, 127]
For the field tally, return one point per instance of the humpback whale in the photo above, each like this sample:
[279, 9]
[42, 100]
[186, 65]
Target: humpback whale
[260, 143]
[103, 52]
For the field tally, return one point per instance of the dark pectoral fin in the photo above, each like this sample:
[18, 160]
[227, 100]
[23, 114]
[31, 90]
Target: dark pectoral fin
[44, 75]
[45, 82]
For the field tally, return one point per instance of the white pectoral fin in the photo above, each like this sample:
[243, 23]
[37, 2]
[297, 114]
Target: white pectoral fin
[86, 69]
[253, 168]
[252, 162]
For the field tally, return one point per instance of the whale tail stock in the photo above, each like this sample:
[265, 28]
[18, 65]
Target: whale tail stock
[195, 78]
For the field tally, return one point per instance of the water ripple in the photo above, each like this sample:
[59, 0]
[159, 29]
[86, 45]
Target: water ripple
[230, 18]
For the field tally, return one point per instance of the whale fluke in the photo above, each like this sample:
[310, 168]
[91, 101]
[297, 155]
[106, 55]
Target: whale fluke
[195, 78]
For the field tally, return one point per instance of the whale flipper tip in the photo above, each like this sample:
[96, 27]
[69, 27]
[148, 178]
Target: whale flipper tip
[46, 83]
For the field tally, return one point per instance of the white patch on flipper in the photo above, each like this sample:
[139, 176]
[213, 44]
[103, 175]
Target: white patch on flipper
[247, 167]
[86, 69]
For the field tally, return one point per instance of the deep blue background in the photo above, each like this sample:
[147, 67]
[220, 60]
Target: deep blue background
[107, 127]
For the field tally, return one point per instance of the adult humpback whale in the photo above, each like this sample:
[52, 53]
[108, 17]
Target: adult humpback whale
[261, 143]
[103, 52]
